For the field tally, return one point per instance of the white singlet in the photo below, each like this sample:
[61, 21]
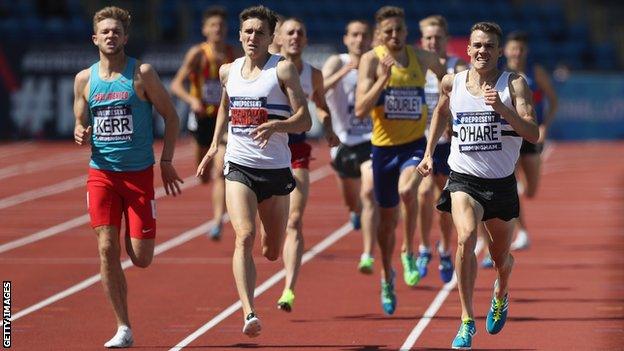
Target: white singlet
[306, 80]
[253, 102]
[341, 102]
[484, 144]
[432, 93]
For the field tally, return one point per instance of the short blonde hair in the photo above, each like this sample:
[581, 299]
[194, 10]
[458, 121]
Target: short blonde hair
[115, 13]
[436, 21]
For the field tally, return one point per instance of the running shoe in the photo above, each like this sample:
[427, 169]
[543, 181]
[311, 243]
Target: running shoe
[497, 315]
[463, 339]
[522, 241]
[252, 325]
[388, 297]
[446, 268]
[122, 339]
[366, 264]
[422, 262]
[356, 220]
[286, 301]
[215, 232]
[487, 262]
[410, 271]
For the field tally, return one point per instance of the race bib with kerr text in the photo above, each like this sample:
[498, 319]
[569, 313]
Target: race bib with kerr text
[112, 123]
[404, 103]
[247, 113]
[478, 131]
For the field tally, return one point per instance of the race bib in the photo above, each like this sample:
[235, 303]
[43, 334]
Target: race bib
[404, 103]
[112, 123]
[358, 126]
[478, 131]
[246, 113]
[211, 94]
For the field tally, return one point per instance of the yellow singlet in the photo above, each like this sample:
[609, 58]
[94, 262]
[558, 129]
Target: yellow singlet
[400, 115]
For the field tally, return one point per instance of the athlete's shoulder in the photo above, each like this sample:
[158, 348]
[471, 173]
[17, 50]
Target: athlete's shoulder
[224, 72]
[447, 82]
[83, 76]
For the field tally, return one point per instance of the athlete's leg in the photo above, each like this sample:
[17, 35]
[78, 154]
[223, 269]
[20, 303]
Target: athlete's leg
[446, 219]
[293, 244]
[425, 210]
[218, 188]
[113, 279]
[408, 187]
[370, 215]
[200, 152]
[140, 251]
[501, 233]
[350, 188]
[273, 213]
[242, 206]
[467, 214]
[388, 219]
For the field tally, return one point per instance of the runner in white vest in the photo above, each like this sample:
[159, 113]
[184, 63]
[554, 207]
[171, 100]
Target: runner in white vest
[351, 159]
[293, 39]
[264, 100]
[434, 30]
[492, 111]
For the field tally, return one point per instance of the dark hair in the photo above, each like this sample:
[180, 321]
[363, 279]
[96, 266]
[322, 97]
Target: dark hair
[489, 27]
[357, 20]
[389, 12]
[518, 35]
[260, 12]
[213, 11]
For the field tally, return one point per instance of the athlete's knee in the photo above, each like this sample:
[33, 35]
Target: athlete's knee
[503, 261]
[407, 194]
[367, 195]
[530, 191]
[466, 241]
[270, 253]
[425, 193]
[295, 220]
[142, 261]
[244, 240]
[108, 250]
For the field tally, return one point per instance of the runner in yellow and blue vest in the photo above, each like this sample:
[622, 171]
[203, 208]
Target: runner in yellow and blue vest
[390, 88]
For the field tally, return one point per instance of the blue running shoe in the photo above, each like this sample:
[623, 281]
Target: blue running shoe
[215, 232]
[497, 315]
[422, 262]
[487, 262]
[463, 339]
[356, 220]
[388, 297]
[446, 268]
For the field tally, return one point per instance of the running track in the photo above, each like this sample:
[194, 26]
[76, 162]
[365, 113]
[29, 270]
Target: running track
[567, 292]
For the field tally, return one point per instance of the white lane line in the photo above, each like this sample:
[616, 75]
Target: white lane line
[315, 175]
[76, 222]
[434, 307]
[310, 254]
[38, 193]
[167, 245]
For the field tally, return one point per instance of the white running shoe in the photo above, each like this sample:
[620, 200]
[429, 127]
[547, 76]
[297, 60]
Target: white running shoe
[522, 241]
[122, 339]
[252, 325]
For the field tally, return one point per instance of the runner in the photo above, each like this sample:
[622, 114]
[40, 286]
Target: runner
[492, 111]
[113, 109]
[264, 100]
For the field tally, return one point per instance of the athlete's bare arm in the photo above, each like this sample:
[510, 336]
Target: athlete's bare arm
[300, 120]
[322, 111]
[522, 118]
[543, 81]
[221, 122]
[334, 71]
[149, 87]
[82, 131]
[439, 123]
[373, 75]
[189, 65]
[430, 60]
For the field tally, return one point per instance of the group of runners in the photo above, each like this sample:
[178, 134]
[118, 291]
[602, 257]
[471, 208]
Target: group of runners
[409, 127]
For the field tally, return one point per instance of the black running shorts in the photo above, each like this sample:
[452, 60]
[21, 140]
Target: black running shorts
[499, 197]
[349, 159]
[530, 148]
[264, 182]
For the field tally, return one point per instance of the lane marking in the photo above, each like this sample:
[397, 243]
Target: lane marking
[277, 277]
[186, 236]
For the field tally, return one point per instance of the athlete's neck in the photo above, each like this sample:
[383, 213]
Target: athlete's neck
[216, 45]
[256, 62]
[399, 55]
[354, 57]
[481, 78]
[112, 64]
